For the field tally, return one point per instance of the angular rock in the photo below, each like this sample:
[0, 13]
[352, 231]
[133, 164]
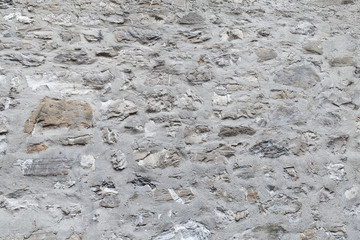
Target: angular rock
[36, 148]
[4, 4]
[282, 204]
[191, 19]
[313, 47]
[75, 237]
[144, 36]
[189, 230]
[301, 76]
[244, 172]
[231, 34]
[41, 234]
[347, 61]
[45, 167]
[221, 100]
[88, 161]
[3, 144]
[160, 101]
[28, 60]
[268, 149]
[268, 232]
[252, 195]
[195, 35]
[3, 125]
[143, 181]
[118, 161]
[109, 53]
[120, 109]
[98, 80]
[199, 76]
[304, 28]
[54, 113]
[97, 37]
[114, 18]
[74, 57]
[163, 159]
[196, 134]
[337, 144]
[183, 196]
[110, 201]
[68, 36]
[290, 173]
[109, 136]
[351, 193]
[336, 171]
[228, 131]
[80, 140]
[265, 54]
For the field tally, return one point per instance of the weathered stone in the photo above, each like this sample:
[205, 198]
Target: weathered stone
[28, 60]
[183, 196]
[75, 237]
[228, 131]
[265, 54]
[351, 193]
[196, 134]
[13, 236]
[251, 195]
[282, 204]
[114, 18]
[160, 101]
[4, 4]
[45, 167]
[41, 234]
[347, 61]
[313, 47]
[241, 215]
[337, 144]
[88, 161]
[304, 28]
[144, 36]
[195, 35]
[94, 37]
[221, 100]
[309, 234]
[143, 181]
[19, 17]
[301, 76]
[199, 76]
[53, 113]
[120, 109]
[80, 140]
[110, 201]
[109, 136]
[189, 230]
[268, 149]
[74, 57]
[163, 159]
[268, 232]
[244, 172]
[109, 53]
[68, 36]
[118, 161]
[98, 80]
[36, 148]
[191, 19]
[231, 34]
[290, 173]
[3, 125]
[336, 171]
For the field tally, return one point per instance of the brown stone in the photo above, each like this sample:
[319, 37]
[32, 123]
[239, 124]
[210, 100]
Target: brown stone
[54, 113]
[36, 148]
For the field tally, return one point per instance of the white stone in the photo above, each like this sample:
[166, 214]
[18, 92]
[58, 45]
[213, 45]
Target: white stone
[88, 161]
[352, 192]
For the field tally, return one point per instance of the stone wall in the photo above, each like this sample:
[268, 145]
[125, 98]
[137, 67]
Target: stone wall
[179, 119]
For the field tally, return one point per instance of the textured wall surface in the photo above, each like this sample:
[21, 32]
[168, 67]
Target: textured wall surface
[179, 119]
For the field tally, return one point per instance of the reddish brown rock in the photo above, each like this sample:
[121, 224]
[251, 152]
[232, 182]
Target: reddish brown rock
[54, 113]
[36, 148]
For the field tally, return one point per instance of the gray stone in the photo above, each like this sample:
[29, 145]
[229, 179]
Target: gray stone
[4, 4]
[118, 161]
[300, 76]
[265, 54]
[189, 230]
[268, 149]
[80, 140]
[74, 57]
[336, 171]
[228, 131]
[45, 167]
[98, 80]
[120, 109]
[347, 61]
[268, 232]
[313, 47]
[110, 201]
[144, 36]
[191, 19]
[109, 136]
[282, 204]
[28, 60]
[304, 28]
[162, 159]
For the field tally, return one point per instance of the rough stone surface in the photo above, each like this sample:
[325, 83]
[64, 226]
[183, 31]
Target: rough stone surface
[179, 119]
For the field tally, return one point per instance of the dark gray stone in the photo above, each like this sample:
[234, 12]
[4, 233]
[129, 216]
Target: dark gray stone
[268, 149]
[45, 167]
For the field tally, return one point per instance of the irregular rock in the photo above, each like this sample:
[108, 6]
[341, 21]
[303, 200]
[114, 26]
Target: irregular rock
[98, 80]
[94, 37]
[68, 36]
[109, 136]
[74, 57]
[45, 167]
[265, 54]
[282, 204]
[144, 36]
[4, 4]
[13, 236]
[36, 148]
[196, 134]
[28, 60]
[41, 234]
[19, 17]
[309, 234]
[351, 193]
[163, 159]
[214, 155]
[241, 215]
[118, 161]
[231, 34]
[109, 53]
[252, 195]
[143, 181]
[88, 161]
[301, 76]
[336, 171]
[268, 149]
[160, 101]
[114, 18]
[313, 47]
[221, 100]
[54, 113]
[228, 131]
[120, 109]
[337, 144]
[3, 125]
[189, 230]
[110, 201]
[75, 237]
[268, 232]
[347, 61]
[244, 172]
[191, 19]
[326, 194]
[80, 140]
[290, 173]
[199, 76]
[195, 35]
[183, 196]
[304, 28]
